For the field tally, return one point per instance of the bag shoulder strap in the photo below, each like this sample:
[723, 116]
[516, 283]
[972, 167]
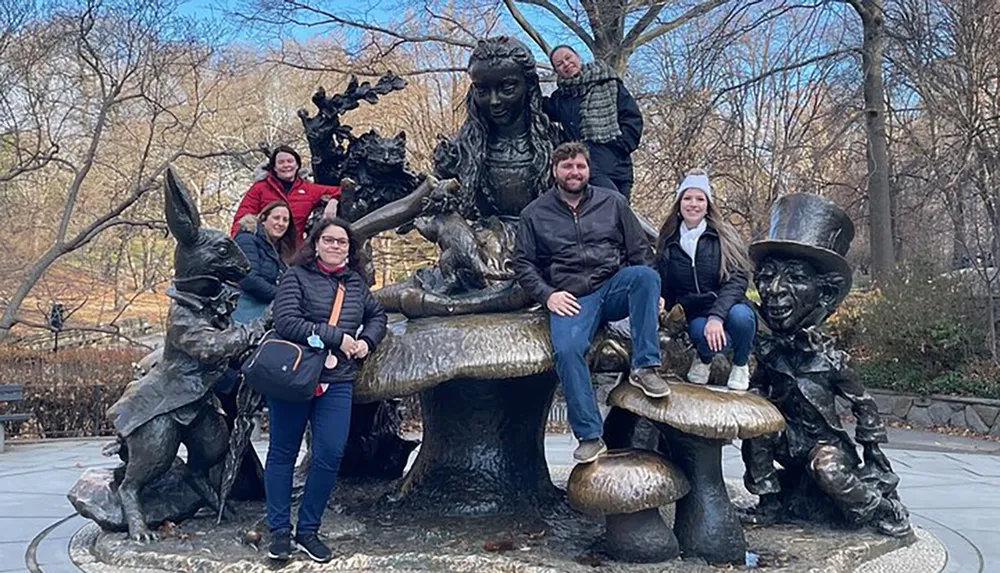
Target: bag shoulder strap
[338, 303]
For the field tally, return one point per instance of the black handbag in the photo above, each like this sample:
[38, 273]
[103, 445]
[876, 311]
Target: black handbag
[285, 370]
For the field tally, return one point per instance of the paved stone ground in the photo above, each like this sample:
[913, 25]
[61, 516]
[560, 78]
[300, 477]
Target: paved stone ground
[951, 485]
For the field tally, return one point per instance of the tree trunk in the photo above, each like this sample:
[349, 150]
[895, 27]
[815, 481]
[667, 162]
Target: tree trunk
[9, 317]
[958, 250]
[879, 192]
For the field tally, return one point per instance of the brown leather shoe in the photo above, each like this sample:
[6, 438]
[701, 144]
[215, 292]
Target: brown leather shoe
[647, 380]
[589, 450]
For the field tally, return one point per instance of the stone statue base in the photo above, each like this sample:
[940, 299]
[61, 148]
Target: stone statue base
[168, 498]
[368, 533]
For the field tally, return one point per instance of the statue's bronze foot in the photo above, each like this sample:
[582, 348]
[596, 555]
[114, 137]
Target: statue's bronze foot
[501, 297]
[141, 534]
[415, 303]
[892, 519]
[767, 512]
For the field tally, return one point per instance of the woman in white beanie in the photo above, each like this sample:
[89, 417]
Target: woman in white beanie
[704, 267]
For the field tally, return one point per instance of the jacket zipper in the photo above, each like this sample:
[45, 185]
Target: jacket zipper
[579, 243]
[694, 269]
[694, 266]
[277, 258]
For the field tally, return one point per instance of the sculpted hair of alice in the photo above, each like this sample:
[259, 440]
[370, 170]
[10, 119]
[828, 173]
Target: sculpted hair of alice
[472, 136]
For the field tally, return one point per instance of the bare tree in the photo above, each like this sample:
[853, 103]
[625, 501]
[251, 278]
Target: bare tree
[946, 53]
[872, 15]
[611, 29]
[119, 93]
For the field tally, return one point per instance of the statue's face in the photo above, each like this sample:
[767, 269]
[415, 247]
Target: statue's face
[498, 90]
[790, 291]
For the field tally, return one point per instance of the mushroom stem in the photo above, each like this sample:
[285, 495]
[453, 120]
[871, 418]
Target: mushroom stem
[706, 522]
[483, 448]
[640, 537]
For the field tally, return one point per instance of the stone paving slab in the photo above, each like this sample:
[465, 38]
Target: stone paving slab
[956, 497]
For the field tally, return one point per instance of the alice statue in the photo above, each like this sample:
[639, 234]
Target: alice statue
[501, 160]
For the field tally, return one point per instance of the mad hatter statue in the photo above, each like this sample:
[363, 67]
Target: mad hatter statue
[802, 278]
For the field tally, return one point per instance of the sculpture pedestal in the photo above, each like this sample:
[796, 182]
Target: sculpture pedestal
[483, 447]
[366, 537]
[167, 498]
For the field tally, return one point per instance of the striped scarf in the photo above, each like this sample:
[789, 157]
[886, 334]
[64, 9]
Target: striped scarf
[597, 87]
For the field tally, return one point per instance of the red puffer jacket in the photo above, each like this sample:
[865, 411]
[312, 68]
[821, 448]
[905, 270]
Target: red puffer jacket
[301, 199]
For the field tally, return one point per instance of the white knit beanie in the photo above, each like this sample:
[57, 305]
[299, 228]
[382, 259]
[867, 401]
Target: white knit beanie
[696, 179]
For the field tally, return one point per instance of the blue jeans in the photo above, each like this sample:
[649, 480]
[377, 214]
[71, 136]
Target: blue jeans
[330, 416]
[633, 292]
[740, 327]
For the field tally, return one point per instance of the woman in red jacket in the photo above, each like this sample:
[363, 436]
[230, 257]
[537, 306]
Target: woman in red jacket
[281, 182]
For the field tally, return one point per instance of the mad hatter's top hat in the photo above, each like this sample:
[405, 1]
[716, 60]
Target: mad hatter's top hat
[807, 226]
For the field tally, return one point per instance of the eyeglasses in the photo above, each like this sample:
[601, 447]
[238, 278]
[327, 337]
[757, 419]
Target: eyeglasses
[331, 241]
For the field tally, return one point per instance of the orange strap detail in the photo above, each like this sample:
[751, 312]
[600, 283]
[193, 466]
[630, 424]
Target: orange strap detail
[338, 303]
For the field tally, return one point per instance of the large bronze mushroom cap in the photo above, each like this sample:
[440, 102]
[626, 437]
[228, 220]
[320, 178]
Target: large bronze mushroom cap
[703, 411]
[420, 354]
[417, 355]
[625, 481]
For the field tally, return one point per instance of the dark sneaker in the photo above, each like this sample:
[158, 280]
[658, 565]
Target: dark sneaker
[313, 547]
[647, 380]
[281, 546]
[589, 450]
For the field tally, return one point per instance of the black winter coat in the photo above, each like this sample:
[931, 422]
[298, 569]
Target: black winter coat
[558, 249]
[613, 158]
[266, 267]
[695, 284]
[305, 299]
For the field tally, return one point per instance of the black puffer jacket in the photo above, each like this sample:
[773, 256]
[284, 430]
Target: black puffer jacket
[266, 267]
[558, 249]
[613, 158]
[695, 284]
[305, 299]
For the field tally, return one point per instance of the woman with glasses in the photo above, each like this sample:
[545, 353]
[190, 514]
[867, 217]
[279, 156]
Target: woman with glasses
[302, 309]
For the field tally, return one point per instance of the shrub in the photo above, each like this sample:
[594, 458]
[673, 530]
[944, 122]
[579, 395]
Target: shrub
[67, 392]
[981, 380]
[919, 318]
[922, 333]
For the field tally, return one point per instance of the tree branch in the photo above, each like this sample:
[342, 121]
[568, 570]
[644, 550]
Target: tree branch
[526, 25]
[34, 163]
[111, 329]
[644, 22]
[362, 73]
[333, 18]
[781, 69]
[859, 7]
[699, 10]
[566, 21]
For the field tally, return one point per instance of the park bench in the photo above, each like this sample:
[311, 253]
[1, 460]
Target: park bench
[10, 393]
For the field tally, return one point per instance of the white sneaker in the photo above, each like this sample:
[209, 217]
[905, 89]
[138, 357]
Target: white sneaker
[699, 372]
[739, 378]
